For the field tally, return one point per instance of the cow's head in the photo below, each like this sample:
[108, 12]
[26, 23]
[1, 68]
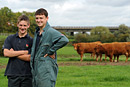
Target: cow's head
[75, 46]
[97, 48]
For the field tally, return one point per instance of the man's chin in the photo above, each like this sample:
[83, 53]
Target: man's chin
[22, 32]
[40, 25]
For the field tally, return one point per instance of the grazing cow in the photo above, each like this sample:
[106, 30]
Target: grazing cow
[113, 49]
[82, 48]
[121, 48]
[107, 49]
[99, 50]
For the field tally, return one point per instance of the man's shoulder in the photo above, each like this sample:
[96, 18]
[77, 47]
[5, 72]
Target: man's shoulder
[29, 37]
[52, 30]
[11, 36]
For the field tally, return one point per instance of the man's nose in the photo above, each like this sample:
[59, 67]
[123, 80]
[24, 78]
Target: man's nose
[22, 27]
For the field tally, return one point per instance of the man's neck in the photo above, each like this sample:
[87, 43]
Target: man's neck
[41, 29]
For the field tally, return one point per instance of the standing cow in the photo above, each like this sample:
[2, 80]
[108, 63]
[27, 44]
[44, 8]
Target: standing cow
[99, 50]
[113, 49]
[121, 48]
[107, 49]
[82, 48]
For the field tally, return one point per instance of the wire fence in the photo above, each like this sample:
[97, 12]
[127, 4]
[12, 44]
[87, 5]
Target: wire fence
[5, 34]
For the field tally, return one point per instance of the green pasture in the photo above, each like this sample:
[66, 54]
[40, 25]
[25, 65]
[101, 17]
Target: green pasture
[93, 76]
[3, 36]
[73, 73]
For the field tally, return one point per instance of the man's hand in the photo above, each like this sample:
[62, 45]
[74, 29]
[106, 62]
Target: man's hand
[11, 49]
[51, 56]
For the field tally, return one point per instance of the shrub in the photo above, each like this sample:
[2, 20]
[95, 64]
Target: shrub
[1, 45]
[80, 37]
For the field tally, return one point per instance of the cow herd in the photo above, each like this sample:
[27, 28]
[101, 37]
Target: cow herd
[109, 49]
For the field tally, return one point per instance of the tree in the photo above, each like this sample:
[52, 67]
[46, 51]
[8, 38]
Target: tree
[79, 37]
[5, 16]
[122, 37]
[101, 34]
[108, 38]
[93, 38]
[128, 38]
[123, 33]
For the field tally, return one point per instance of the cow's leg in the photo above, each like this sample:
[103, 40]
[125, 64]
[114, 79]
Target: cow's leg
[117, 58]
[81, 55]
[105, 57]
[97, 57]
[111, 58]
[114, 58]
[126, 59]
[93, 55]
[127, 55]
[100, 57]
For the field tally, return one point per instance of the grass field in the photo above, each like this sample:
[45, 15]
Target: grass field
[89, 73]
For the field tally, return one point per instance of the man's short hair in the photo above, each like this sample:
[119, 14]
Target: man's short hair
[41, 11]
[23, 18]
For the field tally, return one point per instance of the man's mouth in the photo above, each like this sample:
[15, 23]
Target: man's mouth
[22, 29]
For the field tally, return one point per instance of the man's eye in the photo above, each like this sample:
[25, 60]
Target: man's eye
[20, 25]
[41, 18]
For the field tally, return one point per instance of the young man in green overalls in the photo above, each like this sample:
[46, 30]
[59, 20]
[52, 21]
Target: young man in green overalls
[43, 55]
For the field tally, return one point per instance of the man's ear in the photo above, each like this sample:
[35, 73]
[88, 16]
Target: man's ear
[28, 25]
[47, 18]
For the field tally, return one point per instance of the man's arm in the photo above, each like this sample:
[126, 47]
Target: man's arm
[58, 43]
[12, 53]
[25, 57]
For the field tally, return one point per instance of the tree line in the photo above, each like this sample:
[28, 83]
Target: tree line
[104, 35]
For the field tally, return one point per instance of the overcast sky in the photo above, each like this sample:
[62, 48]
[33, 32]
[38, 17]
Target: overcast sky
[77, 12]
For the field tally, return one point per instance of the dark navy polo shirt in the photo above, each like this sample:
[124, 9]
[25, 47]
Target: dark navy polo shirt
[37, 43]
[15, 66]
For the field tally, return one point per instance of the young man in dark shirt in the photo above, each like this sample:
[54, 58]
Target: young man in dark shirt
[18, 48]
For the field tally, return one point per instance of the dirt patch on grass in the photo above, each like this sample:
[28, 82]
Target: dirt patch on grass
[88, 63]
[92, 63]
[2, 66]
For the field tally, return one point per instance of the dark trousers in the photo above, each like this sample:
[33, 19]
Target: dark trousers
[19, 81]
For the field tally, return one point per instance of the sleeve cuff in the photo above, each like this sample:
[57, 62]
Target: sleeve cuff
[50, 53]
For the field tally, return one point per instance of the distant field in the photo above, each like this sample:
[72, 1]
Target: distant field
[89, 73]
[3, 37]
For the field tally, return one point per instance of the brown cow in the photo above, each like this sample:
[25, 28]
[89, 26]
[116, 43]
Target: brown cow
[82, 48]
[99, 50]
[107, 49]
[121, 48]
[113, 49]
